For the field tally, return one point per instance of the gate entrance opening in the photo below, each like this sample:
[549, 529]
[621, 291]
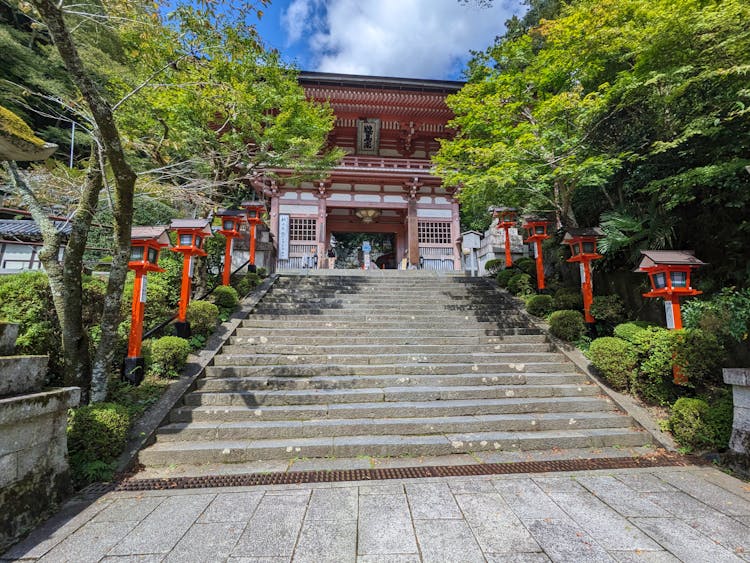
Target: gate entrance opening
[349, 253]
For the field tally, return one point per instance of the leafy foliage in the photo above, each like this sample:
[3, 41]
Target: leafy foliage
[493, 266]
[608, 308]
[202, 316]
[169, 355]
[520, 284]
[504, 276]
[567, 325]
[568, 299]
[225, 297]
[96, 436]
[698, 426]
[615, 359]
[539, 305]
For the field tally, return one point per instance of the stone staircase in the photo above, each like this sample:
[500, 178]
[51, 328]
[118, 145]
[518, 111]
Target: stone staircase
[386, 365]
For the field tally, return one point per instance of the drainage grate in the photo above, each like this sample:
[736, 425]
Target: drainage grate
[302, 477]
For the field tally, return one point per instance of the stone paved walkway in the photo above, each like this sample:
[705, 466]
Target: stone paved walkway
[665, 514]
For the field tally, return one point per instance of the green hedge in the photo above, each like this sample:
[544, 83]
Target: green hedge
[568, 299]
[96, 436]
[608, 309]
[615, 359]
[168, 356]
[696, 425]
[539, 305]
[503, 277]
[567, 325]
[630, 331]
[225, 297]
[653, 382]
[203, 317]
[520, 284]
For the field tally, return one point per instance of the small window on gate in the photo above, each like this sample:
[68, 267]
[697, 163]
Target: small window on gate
[303, 229]
[434, 232]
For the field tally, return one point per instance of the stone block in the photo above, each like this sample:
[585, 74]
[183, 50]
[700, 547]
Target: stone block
[27, 433]
[739, 443]
[8, 335]
[17, 409]
[8, 469]
[22, 374]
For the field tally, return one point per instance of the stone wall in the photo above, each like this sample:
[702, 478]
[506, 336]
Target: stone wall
[738, 456]
[34, 475]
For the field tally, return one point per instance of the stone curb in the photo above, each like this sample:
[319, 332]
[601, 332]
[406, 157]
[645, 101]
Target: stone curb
[143, 431]
[624, 402]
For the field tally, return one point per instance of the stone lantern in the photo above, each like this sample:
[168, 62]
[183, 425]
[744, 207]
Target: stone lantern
[536, 231]
[146, 243]
[231, 221]
[191, 234]
[583, 250]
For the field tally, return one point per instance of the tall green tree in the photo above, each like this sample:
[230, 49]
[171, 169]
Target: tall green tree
[195, 102]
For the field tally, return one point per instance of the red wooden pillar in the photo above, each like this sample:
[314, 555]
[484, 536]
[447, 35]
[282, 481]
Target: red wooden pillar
[506, 219]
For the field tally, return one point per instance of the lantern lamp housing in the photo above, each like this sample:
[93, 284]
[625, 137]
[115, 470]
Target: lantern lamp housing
[254, 211]
[146, 242]
[190, 235]
[669, 272]
[583, 243]
[536, 228]
[506, 216]
[231, 221]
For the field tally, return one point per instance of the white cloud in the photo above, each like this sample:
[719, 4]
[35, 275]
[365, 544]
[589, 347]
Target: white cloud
[408, 38]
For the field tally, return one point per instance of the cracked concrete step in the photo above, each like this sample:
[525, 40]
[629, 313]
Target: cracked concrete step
[380, 410]
[376, 333]
[236, 451]
[367, 381]
[367, 349]
[254, 399]
[252, 430]
[386, 369]
[249, 358]
[252, 322]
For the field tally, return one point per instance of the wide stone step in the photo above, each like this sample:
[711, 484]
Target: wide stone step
[376, 333]
[253, 399]
[252, 359]
[368, 349]
[252, 430]
[368, 381]
[261, 338]
[254, 322]
[382, 409]
[307, 370]
[236, 451]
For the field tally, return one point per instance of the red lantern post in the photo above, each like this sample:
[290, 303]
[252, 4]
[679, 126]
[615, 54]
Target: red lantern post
[582, 244]
[146, 243]
[506, 220]
[255, 211]
[191, 233]
[231, 220]
[536, 232]
[669, 274]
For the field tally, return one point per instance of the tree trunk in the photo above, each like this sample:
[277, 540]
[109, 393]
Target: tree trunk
[125, 178]
[66, 278]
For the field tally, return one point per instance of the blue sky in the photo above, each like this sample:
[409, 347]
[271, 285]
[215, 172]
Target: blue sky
[407, 38]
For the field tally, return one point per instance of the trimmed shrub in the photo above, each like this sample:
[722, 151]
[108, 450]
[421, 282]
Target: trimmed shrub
[261, 272]
[630, 331]
[246, 283]
[526, 265]
[169, 355]
[202, 317]
[520, 284]
[615, 359]
[503, 277]
[539, 305]
[96, 436]
[653, 383]
[698, 426]
[226, 297]
[567, 325]
[493, 266]
[568, 299]
[608, 309]
[699, 355]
